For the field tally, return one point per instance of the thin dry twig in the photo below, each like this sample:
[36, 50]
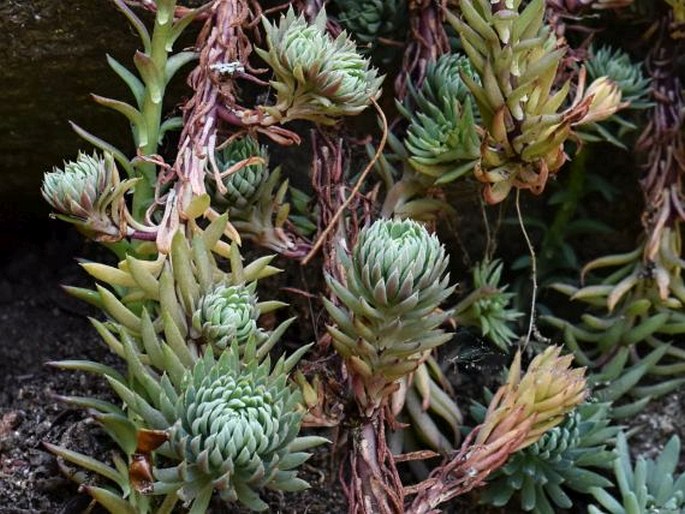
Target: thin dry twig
[533, 273]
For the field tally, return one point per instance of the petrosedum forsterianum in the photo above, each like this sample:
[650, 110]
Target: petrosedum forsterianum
[488, 306]
[526, 120]
[317, 78]
[546, 470]
[239, 189]
[227, 313]
[650, 487]
[635, 90]
[210, 419]
[389, 318]
[88, 193]
[518, 415]
[442, 141]
[236, 433]
[369, 20]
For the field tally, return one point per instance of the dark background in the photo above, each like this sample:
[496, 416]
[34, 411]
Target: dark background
[52, 56]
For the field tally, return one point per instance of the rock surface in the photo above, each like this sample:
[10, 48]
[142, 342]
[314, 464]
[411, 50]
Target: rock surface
[52, 56]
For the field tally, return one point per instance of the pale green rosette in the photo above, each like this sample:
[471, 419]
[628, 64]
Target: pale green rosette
[227, 313]
[317, 78]
[237, 433]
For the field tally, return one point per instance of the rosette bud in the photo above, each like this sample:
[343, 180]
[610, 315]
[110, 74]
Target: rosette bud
[399, 266]
[370, 20]
[88, 193]
[541, 398]
[228, 313]
[236, 433]
[605, 100]
[443, 80]
[442, 141]
[395, 282]
[75, 189]
[239, 187]
[616, 66]
[317, 78]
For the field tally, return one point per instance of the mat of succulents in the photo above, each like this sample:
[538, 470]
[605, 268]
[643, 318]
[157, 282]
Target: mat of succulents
[359, 245]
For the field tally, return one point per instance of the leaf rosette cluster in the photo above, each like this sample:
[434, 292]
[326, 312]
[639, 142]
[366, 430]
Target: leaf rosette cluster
[241, 185]
[317, 78]
[559, 461]
[442, 141]
[236, 432]
[396, 279]
[227, 313]
[88, 193]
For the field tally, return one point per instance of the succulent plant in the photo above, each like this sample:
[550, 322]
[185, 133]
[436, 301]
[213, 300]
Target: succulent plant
[180, 293]
[651, 486]
[228, 425]
[488, 305]
[546, 470]
[525, 120]
[368, 21]
[637, 306]
[635, 90]
[442, 141]
[226, 313]
[88, 192]
[317, 78]
[236, 433]
[395, 282]
[240, 188]
[517, 417]
[544, 395]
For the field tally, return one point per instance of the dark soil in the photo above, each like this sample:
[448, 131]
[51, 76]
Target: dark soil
[38, 322]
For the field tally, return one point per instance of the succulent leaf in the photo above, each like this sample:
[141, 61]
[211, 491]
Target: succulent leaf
[317, 78]
[227, 313]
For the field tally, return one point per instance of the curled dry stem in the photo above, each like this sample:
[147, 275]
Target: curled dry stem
[355, 190]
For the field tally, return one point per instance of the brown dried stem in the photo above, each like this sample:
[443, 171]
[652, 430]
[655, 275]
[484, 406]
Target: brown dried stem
[427, 41]
[374, 486]
[662, 141]
[331, 224]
